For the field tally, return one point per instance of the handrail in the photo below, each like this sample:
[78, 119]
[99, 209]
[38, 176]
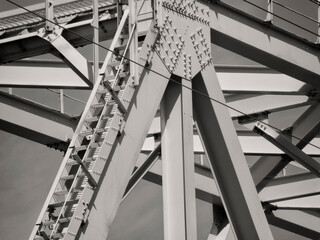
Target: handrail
[282, 18]
[294, 11]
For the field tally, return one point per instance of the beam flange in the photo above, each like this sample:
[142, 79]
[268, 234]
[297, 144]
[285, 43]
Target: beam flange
[227, 160]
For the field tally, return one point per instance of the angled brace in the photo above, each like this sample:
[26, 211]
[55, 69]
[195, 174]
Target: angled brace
[115, 97]
[292, 151]
[85, 170]
[69, 54]
[142, 170]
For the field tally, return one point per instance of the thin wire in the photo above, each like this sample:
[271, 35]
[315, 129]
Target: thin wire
[160, 74]
[296, 12]
[282, 18]
[67, 96]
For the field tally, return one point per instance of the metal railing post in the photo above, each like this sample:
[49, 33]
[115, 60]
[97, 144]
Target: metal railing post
[269, 17]
[61, 101]
[95, 25]
[134, 42]
[49, 15]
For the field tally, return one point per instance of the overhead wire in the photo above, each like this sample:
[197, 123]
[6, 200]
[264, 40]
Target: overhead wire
[161, 75]
[295, 11]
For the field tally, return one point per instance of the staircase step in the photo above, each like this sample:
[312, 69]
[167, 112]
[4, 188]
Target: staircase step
[123, 47]
[117, 63]
[124, 36]
[72, 162]
[97, 105]
[57, 236]
[92, 119]
[122, 74]
[68, 177]
[71, 176]
[60, 204]
[86, 133]
[65, 191]
[61, 220]
[81, 148]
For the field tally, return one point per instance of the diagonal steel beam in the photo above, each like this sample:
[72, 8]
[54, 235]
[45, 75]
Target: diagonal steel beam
[305, 129]
[141, 171]
[141, 113]
[72, 58]
[227, 160]
[292, 151]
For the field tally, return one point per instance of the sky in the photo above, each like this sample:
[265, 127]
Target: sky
[27, 170]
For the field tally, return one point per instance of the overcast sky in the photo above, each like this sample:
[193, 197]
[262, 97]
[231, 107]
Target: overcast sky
[27, 170]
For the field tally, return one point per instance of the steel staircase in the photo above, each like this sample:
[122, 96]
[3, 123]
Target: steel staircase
[68, 202]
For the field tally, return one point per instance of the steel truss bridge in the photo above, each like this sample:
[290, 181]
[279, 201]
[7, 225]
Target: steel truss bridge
[160, 108]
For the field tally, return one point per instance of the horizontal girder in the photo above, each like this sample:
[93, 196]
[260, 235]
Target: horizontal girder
[256, 40]
[35, 122]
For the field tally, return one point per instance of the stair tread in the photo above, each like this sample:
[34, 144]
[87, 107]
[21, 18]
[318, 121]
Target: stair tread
[97, 105]
[65, 191]
[61, 220]
[92, 119]
[60, 204]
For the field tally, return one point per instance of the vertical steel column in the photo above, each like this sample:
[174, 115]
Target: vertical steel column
[134, 42]
[269, 17]
[227, 160]
[95, 25]
[49, 15]
[178, 164]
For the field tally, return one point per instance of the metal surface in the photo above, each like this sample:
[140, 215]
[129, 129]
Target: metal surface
[303, 223]
[72, 57]
[304, 129]
[113, 185]
[268, 46]
[178, 163]
[292, 151]
[227, 160]
[290, 187]
[35, 122]
[183, 32]
[50, 74]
